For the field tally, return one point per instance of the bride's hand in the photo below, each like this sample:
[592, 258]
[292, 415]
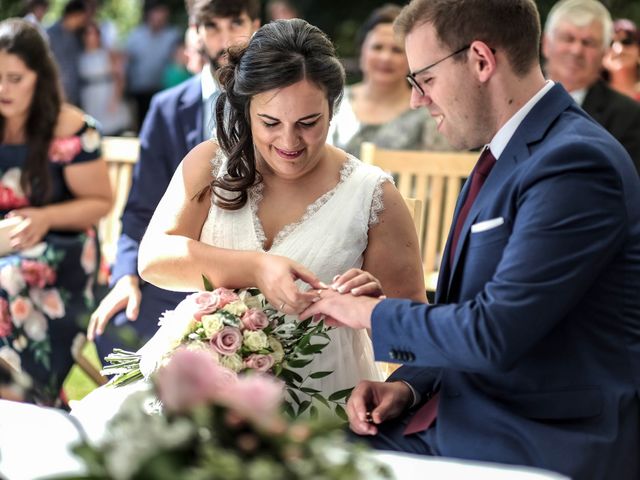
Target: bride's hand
[357, 282]
[276, 276]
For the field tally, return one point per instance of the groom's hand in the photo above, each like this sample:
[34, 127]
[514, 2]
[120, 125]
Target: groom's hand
[372, 403]
[342, 310]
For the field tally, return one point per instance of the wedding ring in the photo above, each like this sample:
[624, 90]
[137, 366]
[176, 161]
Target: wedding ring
[282, 307]
[368, 417]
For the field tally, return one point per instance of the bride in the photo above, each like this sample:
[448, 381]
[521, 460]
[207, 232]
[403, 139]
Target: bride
[272, 205]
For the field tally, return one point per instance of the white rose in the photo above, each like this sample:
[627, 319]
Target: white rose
[90, 140]
[278, 351]
[232, 362]
[20, 343]
[255, 340]
[212, 324]
[252, 301]
[11, 179]
[236, 308]
[10, 356]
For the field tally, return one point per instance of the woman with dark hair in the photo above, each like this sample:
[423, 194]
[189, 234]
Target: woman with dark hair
[622, 61]
[53, 189]
[273, 206]
[277, 204]
[377, 109]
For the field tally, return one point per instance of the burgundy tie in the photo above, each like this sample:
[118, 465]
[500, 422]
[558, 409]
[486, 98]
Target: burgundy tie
[425, 416]
[480, 174]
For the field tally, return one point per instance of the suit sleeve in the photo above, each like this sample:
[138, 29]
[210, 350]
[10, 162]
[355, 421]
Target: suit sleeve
[560, 242]
[151, 176]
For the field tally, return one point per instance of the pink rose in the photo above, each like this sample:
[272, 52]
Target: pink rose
[5, 318]
[257, 397]
[200, 303]
[49, 301]
[191, 378]
[226, 341]
[37, 274]
[259, 362]
[63, 150]
[254, 319]
[225, 296]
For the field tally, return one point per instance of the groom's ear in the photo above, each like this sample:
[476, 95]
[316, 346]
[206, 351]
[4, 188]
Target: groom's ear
[483, 60]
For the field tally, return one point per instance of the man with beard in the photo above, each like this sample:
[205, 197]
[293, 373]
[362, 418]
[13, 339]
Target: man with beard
[178, 119]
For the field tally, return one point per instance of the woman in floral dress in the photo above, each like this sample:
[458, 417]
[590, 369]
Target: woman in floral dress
[54, 186]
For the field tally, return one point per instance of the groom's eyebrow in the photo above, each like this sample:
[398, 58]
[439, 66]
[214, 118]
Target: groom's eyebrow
[306, 117]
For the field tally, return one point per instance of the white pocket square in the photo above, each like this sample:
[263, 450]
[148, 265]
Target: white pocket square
[487, 225]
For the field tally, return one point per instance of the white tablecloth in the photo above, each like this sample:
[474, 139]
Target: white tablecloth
[35, 443]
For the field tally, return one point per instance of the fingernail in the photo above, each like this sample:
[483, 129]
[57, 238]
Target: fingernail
[341, 289]
[323, 285]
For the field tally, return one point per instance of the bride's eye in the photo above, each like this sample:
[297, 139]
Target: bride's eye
[270, 125]
[308, 124]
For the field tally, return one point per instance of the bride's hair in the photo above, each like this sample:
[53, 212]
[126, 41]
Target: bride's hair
[280, 54]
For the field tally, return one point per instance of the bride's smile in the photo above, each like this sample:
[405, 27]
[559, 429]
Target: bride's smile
[289, 127]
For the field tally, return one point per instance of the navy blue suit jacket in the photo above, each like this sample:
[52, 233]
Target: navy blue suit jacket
[172, 127]
[534, 338]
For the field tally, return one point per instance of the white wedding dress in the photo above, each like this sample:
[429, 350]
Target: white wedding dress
[329, 239]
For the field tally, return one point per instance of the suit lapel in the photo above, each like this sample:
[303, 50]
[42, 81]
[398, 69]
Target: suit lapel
[190, 113]
[532, 129]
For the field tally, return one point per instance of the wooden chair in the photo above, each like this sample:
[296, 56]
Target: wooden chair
[415, 209]
[121, 155]
[435, 178]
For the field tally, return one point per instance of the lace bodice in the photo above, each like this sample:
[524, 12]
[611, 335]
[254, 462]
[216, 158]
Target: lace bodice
[331, 236]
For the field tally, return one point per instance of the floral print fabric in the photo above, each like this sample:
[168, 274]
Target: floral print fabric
[46, 292]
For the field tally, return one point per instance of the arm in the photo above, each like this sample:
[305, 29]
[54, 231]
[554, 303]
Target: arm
[172, 257]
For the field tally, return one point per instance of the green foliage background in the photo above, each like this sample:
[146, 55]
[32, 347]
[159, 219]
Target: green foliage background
[339, 18]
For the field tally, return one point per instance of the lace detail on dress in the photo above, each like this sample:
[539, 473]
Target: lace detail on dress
[216, 162]
[377, 204]
[255, 196]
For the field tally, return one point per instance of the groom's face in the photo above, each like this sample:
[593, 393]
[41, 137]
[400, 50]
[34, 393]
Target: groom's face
[219, 33]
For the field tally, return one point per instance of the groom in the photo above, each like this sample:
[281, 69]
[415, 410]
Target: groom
[531, 353]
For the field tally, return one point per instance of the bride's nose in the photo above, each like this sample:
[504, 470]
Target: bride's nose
[291, 138]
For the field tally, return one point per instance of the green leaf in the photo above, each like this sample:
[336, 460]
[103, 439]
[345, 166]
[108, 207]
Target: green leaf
[288, 409]
[208, 286]
[321, 399]
[340, 394]
[341, 413]
[313, 349]
[294, 397]
[308, 390]
[289, 375]
[298, 363]
[313, 411]
[320, 374]
[303, 407]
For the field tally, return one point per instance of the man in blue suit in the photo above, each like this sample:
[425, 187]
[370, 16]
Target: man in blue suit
[178, 119]
[531, 353]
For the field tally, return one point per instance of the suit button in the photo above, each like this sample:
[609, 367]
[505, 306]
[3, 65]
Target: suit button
[393, 354]
[412, 357]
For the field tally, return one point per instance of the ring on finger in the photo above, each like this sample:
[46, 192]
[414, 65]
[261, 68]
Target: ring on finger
[284, 304]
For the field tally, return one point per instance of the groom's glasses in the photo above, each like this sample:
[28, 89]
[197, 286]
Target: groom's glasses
[411, 78]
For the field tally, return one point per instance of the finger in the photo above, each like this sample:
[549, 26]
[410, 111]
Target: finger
[363, 428]
[301, 273]
[345, 277]
[133, 306]
[371, 289]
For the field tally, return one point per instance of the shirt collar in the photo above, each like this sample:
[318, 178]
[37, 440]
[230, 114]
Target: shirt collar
[578, 95]
[501, 139]
[208, 83]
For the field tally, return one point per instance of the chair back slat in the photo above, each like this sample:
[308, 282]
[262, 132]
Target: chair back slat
[121, 155]
[435, 178]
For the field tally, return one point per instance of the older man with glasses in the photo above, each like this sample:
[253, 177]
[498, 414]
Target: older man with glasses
[577, 36]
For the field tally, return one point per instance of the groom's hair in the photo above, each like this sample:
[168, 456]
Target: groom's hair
[202, 11]
[512, 26]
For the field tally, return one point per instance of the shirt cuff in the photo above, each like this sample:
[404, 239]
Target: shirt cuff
[414, 394]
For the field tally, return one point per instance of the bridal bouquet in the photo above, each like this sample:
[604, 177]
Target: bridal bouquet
[217, 424]
[242, 332]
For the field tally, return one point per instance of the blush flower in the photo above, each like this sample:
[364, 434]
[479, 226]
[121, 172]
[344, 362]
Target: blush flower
[89, 256]
[63, 150]
[35, 326]
[5, 318]
[37, 274]
[227, 341]
[202, 303]
[49, 301]
[261, 363]
[21, 308]
[254, 319]
[11, 279]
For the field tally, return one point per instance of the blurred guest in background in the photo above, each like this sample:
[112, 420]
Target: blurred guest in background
[176, 72]
[149, 49]
[576, 37]
[102, 84]
[377, 109]
[622, 61]
[66, 45]
[54, 188]
[34, 12]
[178, 120]
[281, 10]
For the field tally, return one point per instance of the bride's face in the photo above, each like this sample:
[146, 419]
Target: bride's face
[289, 127]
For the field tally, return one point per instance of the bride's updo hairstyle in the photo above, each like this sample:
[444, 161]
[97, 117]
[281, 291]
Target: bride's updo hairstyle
[278, 55]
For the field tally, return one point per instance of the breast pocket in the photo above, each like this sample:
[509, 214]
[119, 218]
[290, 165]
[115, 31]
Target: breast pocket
[497, 235]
